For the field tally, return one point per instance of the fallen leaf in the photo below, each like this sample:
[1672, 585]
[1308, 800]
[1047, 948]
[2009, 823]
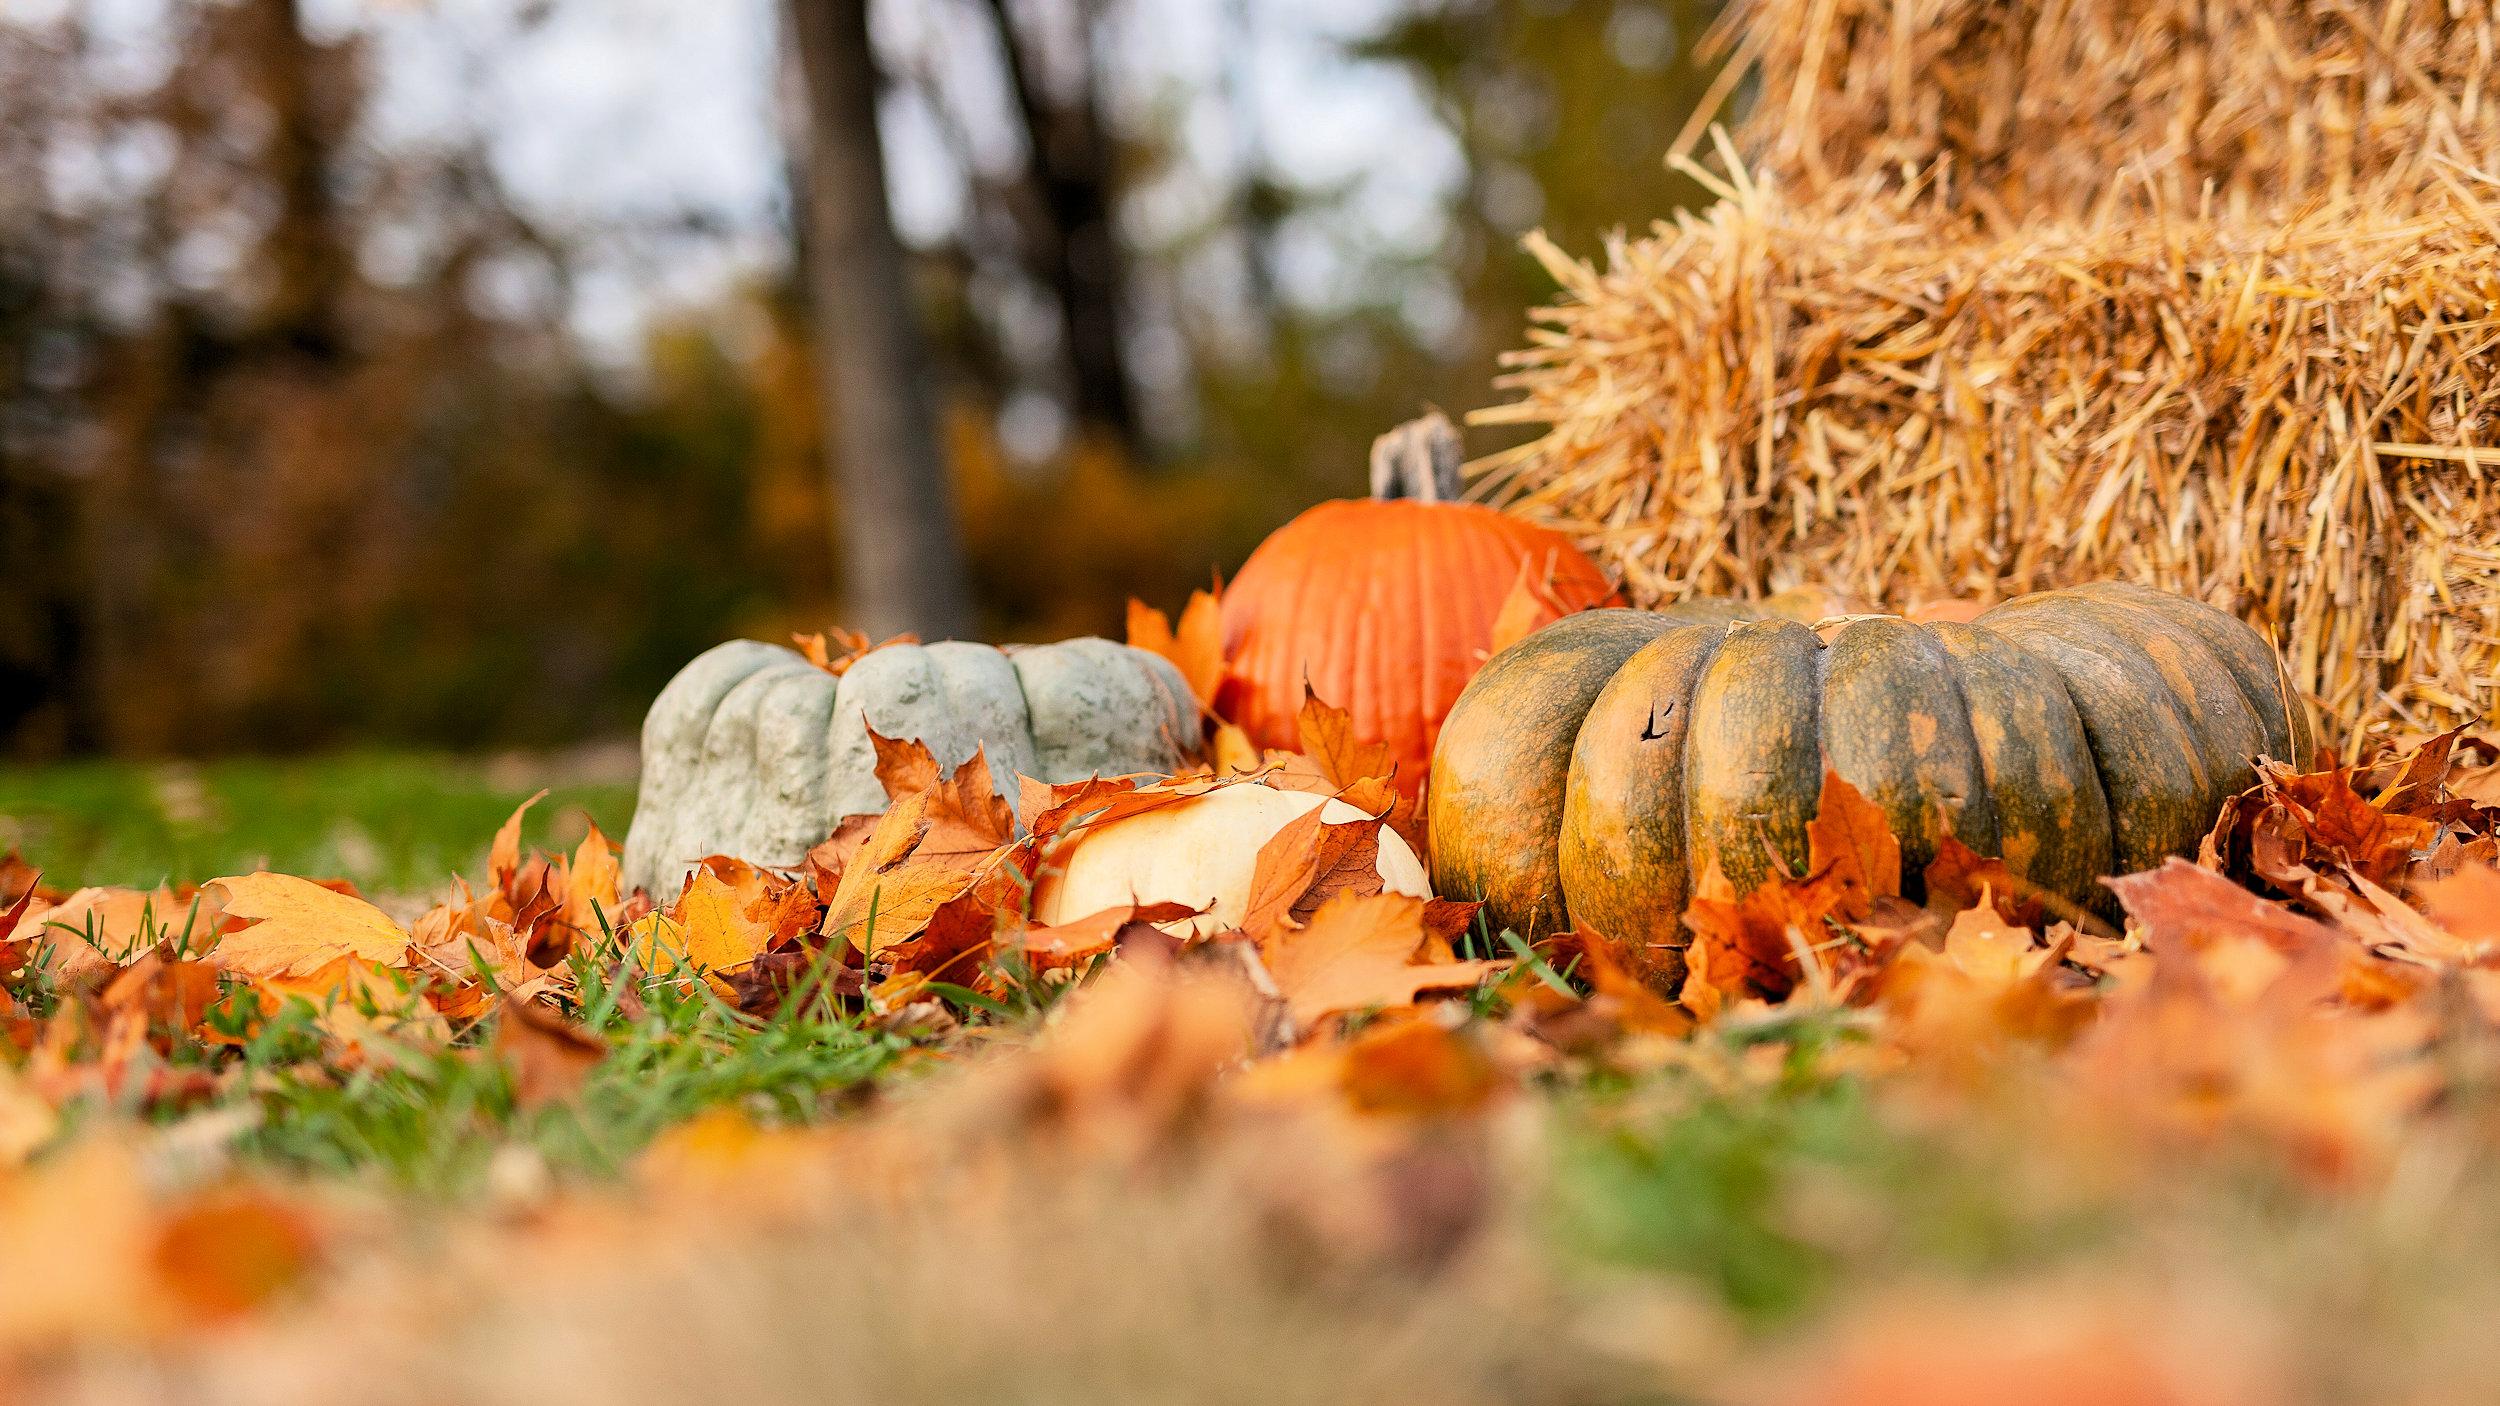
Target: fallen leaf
[1958, 876]
[1080, 940]
[708, 931]
[95, 930]
[966, 815]
[549, 1056]
[835, 650]
[1196, 648]
[169, 997]
[1358, 953]
[226, 1252]
[590, 888]
[1328, 739]
[1850, 840]
[503, 857]
[297, 927]
[1418, 1067]
[1285, 869]
[1747, 947]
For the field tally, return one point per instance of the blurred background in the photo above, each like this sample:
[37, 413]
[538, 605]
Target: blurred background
[442, 374]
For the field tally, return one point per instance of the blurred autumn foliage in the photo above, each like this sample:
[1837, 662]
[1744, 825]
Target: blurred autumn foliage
[301, 442]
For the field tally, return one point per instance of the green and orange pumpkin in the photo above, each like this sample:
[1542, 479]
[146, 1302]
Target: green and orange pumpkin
[1595, 770]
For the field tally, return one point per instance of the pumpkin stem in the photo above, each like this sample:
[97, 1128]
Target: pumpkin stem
[1419, 459]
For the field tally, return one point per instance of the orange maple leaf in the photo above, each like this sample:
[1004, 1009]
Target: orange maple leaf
[1358, 953]
[1850, 840]
[1343, 758]
[1747, 946]
[1196, 648]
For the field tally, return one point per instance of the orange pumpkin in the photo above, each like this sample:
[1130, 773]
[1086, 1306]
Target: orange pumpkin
[1386, 606]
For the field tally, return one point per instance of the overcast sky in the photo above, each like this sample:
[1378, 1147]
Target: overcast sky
[631, 113]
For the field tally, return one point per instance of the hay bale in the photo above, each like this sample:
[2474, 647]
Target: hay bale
[2019, 108]
[2280, 417]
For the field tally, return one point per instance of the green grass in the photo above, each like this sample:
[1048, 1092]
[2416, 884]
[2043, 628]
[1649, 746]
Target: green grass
[1775, 1195]
[433, 1121]
[392, 822]
[432, 1118]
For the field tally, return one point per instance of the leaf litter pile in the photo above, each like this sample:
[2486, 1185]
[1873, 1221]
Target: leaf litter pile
[862, 1128]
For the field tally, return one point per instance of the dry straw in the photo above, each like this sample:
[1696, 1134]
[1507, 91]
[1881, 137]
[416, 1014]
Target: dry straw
[2242, 108]
[1906, 386]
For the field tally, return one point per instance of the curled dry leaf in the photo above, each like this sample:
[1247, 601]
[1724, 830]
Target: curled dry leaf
[1072, 944]
[503, 856]
[836, 649]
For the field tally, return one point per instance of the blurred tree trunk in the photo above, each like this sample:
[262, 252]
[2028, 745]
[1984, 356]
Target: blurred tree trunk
[902, 567]
[306, 253]
[1075, 249]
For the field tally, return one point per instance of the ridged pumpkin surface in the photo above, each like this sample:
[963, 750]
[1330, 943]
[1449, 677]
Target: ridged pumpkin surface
[1387, 609]
[1594, 770]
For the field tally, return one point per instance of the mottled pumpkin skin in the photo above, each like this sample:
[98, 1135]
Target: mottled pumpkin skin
[1595, 770]
[1386, 609]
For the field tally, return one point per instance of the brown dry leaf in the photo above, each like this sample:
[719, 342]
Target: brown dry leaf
[2185, 904]
[1619, 980]
[1958, 876]
[966, 815]
[1990, 983]
[1747, 947]
[825, 864]
[957, 937]
[1196, 648]
[165, 996]
[297, 927]
[1328, 739]
[1533, 602]
[549, 1056]
[1080, 940]
[365, 1009]
[1358, 953]
[1052, 812]
[503, 857]
[873, 910]
[95, 930]
[1523, 612]
[1850, 841]
[464, 947]
[835, 650]
[1287, 866]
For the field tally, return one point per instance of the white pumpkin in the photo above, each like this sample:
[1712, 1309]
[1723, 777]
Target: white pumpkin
[1200, 852]
[753, 752]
